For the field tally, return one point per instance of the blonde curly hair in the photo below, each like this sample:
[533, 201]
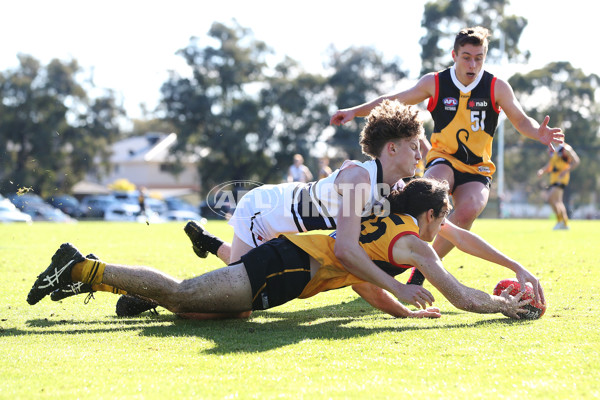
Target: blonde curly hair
[389, 121]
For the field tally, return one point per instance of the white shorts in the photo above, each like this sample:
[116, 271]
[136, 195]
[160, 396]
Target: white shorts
[262, 214]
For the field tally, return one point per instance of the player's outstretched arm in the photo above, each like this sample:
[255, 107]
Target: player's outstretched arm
[411, 250]
[527, 126]
[573, 160]
[382, 300]
[423, 89]
[475, 245]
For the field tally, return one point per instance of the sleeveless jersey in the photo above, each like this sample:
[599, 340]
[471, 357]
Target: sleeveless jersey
[559, 162]
[465, 119]
[270, 210]
[377, 237]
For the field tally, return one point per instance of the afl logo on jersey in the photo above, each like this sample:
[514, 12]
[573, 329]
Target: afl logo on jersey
[450, 103]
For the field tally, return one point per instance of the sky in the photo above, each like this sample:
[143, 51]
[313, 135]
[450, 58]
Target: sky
[130, 45]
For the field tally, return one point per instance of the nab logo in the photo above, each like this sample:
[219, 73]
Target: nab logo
[450, 101]
[477, 104]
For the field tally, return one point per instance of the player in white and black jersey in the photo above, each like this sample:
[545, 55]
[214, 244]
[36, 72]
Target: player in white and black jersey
[391, 138]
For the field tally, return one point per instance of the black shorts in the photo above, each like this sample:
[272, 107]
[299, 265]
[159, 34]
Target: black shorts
[461, 178]
[278, 271]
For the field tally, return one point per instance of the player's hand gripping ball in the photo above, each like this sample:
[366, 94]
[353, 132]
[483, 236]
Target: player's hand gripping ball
[535, 309]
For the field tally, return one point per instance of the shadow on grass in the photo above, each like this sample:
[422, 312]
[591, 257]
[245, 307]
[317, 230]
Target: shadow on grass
[288, 328]
[264, 331]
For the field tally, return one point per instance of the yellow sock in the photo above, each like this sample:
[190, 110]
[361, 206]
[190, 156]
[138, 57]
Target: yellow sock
[88, 271]
[101, 287]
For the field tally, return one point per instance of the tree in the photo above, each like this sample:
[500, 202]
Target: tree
[444, 18]
[213, 110]
[49, 131]
[295, 109]
[359, 75]
[244, 119]
[247, 120]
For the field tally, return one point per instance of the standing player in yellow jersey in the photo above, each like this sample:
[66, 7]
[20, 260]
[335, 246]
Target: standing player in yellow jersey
[300, 266]
[562, 161]
[464, 102]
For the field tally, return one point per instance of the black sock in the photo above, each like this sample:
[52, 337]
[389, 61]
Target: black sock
[211, 242]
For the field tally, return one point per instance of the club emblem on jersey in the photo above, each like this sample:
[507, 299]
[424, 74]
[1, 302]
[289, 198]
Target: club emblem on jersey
[477, 104]
[450, 103]
[463, 153]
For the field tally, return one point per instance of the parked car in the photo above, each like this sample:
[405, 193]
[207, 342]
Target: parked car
[183, 215]
[37, 208]
[178, 204]
[152, 204]
[45, 212]
[121, 211]
[66, 203]
[156, 205]
[22, 200]
[94, 206]
[10, 213]
[216, 210]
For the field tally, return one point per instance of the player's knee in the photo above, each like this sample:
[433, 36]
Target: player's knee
[464, 216]
[178, 298]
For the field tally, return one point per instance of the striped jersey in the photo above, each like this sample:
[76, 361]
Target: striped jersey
[270, 210]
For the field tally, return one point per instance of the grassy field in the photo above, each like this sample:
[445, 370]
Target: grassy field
[333, 345]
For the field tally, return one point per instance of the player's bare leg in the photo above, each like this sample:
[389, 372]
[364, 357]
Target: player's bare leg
[238, 249]
[441, 172]
[556, 202]
[224, 253]
[469, 200]
[225, 290]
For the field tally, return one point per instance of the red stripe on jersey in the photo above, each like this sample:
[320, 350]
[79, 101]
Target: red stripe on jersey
[497, 108]
[433, 100]
[391, 248]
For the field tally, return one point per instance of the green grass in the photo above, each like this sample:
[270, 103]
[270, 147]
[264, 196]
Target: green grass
[333, 345]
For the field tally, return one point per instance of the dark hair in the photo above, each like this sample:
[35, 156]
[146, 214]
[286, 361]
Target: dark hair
[477, 36]
[418, 196]
[389, 121]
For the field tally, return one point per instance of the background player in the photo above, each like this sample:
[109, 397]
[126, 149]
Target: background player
[298, 172]
[562, 161]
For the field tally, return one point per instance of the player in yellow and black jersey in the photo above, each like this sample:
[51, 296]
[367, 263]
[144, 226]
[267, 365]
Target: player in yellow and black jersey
[377, 238]
[562, 161]
[464, 102]
[300, 266]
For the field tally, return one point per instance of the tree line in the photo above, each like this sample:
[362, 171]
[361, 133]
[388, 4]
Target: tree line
[250, 117]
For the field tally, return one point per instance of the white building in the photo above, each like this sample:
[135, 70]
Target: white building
[145, 161]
